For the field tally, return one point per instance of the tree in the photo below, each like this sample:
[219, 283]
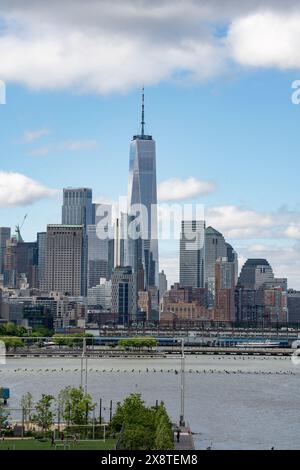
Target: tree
[44, 416]
[3, 418]
[12, 342]
[140, 427]
[138, 343]
[75, 406]
[27, 406]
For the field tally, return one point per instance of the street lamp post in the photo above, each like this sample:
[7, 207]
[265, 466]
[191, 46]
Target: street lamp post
[182, 384]
[84, 356]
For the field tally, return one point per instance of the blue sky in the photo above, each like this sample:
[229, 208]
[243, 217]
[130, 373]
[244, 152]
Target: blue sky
[233, 125]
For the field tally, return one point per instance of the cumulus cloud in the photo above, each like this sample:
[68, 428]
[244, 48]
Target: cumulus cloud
[100, 48]
[17, 190]
[175, 189]
[244, 223]
[266, 39]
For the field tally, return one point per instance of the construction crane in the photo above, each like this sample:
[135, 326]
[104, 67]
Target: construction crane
[18, 229]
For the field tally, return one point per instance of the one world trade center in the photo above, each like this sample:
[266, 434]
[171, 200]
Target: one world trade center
[142, 244]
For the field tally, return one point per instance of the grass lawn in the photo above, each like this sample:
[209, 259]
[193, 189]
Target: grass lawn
[34, 444]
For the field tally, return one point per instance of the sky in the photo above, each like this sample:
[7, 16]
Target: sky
[220, 103]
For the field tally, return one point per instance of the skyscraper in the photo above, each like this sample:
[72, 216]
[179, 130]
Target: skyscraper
[192, 253]
[100, 245]
[163, 284]
[41, 247]
[124, 295]
[142, 196]
[4, 237]
[254, 273]
[215, 247]
[64, 260]
[77, 207]
[224, 290]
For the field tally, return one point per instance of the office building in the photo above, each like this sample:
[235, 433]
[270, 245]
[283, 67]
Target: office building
[215, 247]
[293, 304]
[4, 237]
[254, 273]
[77, 207]
[192, 253]
[64, 260]
[163, 284]
[142, 206]
[124, 295]
[224, 310]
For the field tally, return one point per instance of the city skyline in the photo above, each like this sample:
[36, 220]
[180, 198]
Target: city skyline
[227, 140]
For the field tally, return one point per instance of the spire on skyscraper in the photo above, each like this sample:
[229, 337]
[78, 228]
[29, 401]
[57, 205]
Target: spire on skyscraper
[143, 113]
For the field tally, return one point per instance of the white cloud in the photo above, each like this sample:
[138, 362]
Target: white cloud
[33, 135]
[243, 223]
[77, 145]
[58, 45]
[175, 189]
[40, 151]
[17, 190]
[266, 39]
[293, 231]
[69, 146]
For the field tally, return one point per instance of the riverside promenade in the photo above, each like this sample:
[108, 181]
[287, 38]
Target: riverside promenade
[186, 441]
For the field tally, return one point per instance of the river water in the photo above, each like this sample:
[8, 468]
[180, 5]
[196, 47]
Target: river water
[231, 402]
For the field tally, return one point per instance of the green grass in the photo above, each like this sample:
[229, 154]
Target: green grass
[34, 444]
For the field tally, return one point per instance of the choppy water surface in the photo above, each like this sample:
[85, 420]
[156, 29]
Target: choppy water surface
[231, 402]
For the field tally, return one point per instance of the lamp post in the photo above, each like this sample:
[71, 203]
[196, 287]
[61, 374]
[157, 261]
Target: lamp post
[182, 385]
[83, 356]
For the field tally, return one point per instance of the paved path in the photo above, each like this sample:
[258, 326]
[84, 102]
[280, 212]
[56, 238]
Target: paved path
[186, 441]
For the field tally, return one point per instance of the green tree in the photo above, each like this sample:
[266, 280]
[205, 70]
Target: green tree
[75, 406]
[140, 427]
[44, 416]
[12, 342]
[3, 418]
[138, 343]
[27, 406]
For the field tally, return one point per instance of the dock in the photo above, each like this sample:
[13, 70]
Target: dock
[186, 441]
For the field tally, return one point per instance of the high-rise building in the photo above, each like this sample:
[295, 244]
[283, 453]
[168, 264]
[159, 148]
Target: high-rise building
[255, 273]
[41, 247]
[192, 253]
[124, 295]
[77, 207]
[233, 258]
[293, 304]
[4, 237]
[224, 290]
[142, 205]
[21, 260]
[100, 295]
[163, 284]
[215, 247]
[100, 241]
[64, 260]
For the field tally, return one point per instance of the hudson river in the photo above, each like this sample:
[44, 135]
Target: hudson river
[231, 402]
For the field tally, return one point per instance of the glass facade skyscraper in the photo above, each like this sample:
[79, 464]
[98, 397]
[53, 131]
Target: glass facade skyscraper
[192, 253]
[142, 206]
[77, 207]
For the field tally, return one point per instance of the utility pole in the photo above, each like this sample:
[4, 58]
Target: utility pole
[182, 384]
[83, 356]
